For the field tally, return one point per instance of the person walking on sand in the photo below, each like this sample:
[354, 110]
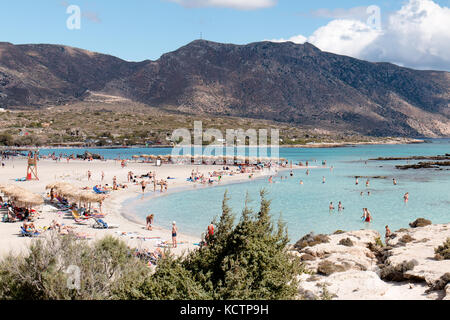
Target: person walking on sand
[149, 221]
[89, 175]
[174, 234]
[103, 175]
[154, 184]
[114, 183]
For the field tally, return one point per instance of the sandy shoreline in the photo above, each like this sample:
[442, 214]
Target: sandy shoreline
[131, 227]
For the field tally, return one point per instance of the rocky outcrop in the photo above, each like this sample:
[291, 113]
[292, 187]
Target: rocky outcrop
[404, 268]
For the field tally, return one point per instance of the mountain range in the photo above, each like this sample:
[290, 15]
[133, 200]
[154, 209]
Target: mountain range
[293, 83]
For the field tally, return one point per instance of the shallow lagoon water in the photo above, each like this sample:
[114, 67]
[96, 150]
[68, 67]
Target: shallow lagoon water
[305, 207]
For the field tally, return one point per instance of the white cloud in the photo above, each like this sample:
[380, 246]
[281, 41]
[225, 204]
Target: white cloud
[348, 37]
[234, 4]
[417, 36]
[295, 39]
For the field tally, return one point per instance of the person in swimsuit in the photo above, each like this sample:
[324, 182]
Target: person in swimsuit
[174, 234]
[368, 217]
[340, 207]
[143, 185]
[357, 181]
[388, 233]
[406, 197]
[210, 233]
[331, 207]
[364, 216]
[150, 221]
[394, 182]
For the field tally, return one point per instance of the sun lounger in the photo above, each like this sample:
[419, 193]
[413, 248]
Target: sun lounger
[100, 224]
[97, 191]
[25, 233]
[79, 218]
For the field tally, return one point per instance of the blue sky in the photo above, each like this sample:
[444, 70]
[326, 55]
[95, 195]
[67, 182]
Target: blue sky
[136, 30]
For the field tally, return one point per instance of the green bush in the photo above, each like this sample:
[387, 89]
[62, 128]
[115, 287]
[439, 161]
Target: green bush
[443, 252]
[105, 267]
[248, 260]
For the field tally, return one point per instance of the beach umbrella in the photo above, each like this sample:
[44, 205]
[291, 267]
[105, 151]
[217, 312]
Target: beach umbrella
[30, 199]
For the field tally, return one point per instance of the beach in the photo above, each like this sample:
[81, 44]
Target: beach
[131, 229]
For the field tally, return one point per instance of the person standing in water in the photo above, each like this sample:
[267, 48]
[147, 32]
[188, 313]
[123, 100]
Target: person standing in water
[406, 197]
[143, 185]
[340, 207]
[364, 216]
[323, 179]
[357, 181]
[174, 234]
[301, 182]
[394, 182]
[367, 183]
[331, 207]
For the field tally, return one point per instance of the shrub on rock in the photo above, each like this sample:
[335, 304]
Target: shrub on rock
[311, 240]
[346, 242]
[443, 252]
[421, 222]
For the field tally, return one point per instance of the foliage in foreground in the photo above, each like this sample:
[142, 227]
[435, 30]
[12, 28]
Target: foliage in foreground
[247, 260]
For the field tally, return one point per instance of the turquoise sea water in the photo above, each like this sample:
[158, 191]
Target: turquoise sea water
[305, 207]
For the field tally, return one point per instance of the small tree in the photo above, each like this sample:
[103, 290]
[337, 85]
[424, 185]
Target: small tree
[249, 260]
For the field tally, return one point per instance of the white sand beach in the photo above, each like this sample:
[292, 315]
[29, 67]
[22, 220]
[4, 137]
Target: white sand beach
[131, 229]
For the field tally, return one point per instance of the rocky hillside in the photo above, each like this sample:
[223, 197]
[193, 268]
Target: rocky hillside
[285, 82]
